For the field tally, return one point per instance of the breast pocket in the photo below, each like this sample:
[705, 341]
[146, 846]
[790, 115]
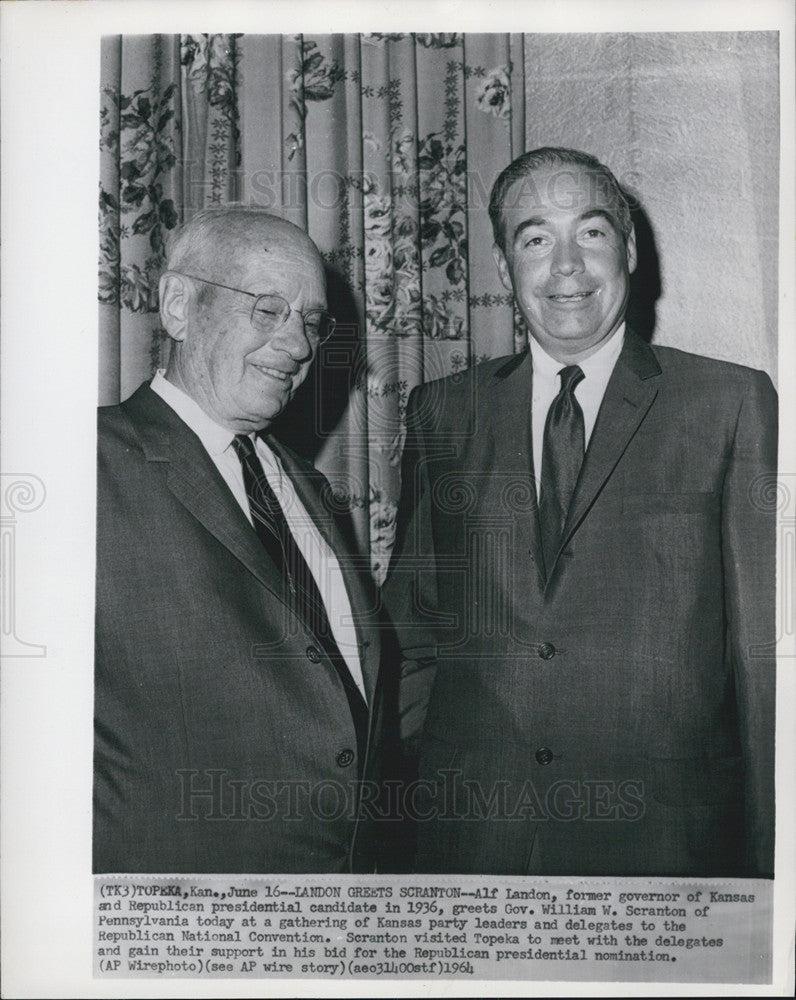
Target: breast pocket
[651, 504]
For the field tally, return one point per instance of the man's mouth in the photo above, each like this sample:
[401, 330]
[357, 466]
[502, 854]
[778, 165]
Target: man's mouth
[574, 297]
[274, 373]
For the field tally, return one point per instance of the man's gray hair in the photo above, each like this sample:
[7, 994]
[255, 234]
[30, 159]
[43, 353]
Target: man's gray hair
[216, 230]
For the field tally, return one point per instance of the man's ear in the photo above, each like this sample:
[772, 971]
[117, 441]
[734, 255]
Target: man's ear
[630, 246]
[503, 267]
[175, 297]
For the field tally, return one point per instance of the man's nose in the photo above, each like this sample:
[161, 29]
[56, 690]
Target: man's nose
[567, 258]
[292, 338]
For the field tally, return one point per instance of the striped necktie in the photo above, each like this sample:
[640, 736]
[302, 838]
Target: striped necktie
[305, 598]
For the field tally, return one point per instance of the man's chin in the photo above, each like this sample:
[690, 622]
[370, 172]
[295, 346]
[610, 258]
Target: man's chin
[261, 415]
[571, 339]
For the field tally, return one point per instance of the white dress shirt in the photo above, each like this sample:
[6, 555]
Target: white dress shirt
[589, 391]
[320, 558]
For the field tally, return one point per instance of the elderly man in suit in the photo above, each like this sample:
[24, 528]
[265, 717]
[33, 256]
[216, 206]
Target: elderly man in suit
[583, 581]
[237, 697]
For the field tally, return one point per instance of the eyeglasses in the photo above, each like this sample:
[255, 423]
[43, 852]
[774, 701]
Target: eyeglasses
[270, 312]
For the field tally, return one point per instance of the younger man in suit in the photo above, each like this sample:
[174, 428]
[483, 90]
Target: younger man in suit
[584, 569]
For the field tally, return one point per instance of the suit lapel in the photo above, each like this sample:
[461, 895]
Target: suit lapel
[628, 396]
[511, 443]
[197, 484]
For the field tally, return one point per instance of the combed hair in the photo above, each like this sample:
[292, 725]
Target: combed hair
[552, 156]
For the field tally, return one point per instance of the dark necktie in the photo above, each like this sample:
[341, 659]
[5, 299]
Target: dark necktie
[562, 457]
[305, 598]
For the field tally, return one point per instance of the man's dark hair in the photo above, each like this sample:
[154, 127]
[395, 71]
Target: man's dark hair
[552, 156]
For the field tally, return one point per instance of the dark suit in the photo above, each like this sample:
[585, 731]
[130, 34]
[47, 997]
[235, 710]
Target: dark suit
[224, 737]
[618, 717]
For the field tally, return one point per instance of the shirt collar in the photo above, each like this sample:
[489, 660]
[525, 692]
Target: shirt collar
[215, 438]
[598, 365]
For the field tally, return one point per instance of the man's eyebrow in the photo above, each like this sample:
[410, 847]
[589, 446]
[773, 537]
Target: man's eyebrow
[600, 213]
[535, 220]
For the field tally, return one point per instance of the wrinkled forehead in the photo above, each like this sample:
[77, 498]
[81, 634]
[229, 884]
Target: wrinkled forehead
[570, 188]
[272, 259]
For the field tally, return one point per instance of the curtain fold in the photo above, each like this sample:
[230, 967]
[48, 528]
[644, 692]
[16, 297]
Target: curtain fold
[384, 147]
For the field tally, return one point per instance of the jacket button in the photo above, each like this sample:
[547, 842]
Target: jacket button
[547, 651]
[544, 755]
[313, 654]
[345, 757]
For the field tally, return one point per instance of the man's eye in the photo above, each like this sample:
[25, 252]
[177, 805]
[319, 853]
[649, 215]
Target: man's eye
[594, 233]
[534, 241]
[313, 321]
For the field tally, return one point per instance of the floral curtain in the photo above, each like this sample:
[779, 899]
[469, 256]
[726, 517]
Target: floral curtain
[384, 148]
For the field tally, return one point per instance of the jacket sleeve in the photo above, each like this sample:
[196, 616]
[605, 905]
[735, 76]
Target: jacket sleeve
[410, 592]
[749, 534]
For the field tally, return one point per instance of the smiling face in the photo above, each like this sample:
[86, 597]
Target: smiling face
[240, 377]
[565, 258]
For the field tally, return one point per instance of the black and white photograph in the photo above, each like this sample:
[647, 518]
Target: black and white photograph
[410, 594]
[591, 631]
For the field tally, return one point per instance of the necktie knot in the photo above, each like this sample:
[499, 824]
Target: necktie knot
[243, 446]
[571, 376]
[264, 506]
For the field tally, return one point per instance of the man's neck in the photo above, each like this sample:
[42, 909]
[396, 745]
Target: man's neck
[562, 357]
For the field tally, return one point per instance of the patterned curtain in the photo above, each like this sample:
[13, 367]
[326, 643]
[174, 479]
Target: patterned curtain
[384, 148]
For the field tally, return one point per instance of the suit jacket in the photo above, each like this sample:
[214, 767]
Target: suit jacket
[224, 737]
[616, 716]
